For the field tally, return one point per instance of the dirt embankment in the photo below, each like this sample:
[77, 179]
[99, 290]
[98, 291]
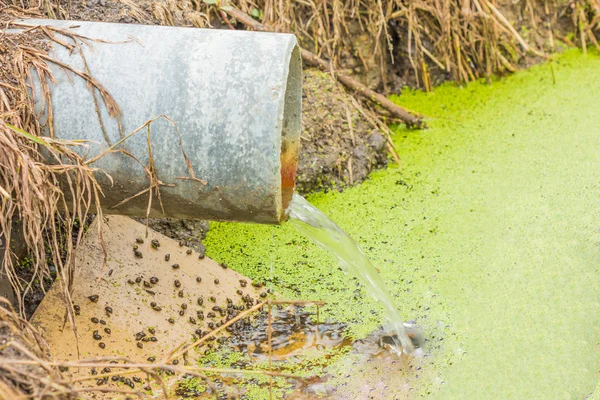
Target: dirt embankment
[339, 147]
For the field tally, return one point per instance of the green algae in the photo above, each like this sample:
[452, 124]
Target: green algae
[487, 238]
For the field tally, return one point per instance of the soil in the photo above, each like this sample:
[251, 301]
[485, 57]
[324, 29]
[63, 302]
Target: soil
[339, 148]
[102, 10]
[190, 232]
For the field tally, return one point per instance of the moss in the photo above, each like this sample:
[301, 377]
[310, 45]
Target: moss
[487, 237]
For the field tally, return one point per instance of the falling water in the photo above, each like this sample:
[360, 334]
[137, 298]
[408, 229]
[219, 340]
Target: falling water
[313, 223]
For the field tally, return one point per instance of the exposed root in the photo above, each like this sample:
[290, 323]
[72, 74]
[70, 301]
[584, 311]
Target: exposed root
[40, 177]
[28, 374]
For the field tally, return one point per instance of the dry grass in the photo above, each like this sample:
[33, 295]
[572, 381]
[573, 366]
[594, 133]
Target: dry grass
[460, 39]
[40, 177]
[21, 342]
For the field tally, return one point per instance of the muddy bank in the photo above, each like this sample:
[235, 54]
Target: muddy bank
[339, 148]
[189, 232]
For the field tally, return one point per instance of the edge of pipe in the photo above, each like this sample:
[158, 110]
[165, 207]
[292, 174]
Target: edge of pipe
[290, 129]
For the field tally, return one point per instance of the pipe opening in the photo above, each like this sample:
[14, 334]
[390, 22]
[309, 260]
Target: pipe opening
[291, 128]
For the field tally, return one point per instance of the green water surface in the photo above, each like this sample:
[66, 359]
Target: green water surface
[488, 237]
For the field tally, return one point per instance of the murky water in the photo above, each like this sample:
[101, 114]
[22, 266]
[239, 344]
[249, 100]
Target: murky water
[313, 223]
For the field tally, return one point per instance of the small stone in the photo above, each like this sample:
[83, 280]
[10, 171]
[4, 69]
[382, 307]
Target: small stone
[201, 251]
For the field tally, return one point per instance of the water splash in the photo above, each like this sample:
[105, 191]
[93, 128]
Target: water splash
[313, 223]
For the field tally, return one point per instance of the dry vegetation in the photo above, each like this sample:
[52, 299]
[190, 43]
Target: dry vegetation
[462, 40]
[34, 191]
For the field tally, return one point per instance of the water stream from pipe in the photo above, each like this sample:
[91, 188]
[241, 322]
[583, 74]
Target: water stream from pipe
[313, 223]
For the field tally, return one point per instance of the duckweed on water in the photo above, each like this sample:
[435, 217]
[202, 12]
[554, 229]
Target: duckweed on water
[487, 238]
